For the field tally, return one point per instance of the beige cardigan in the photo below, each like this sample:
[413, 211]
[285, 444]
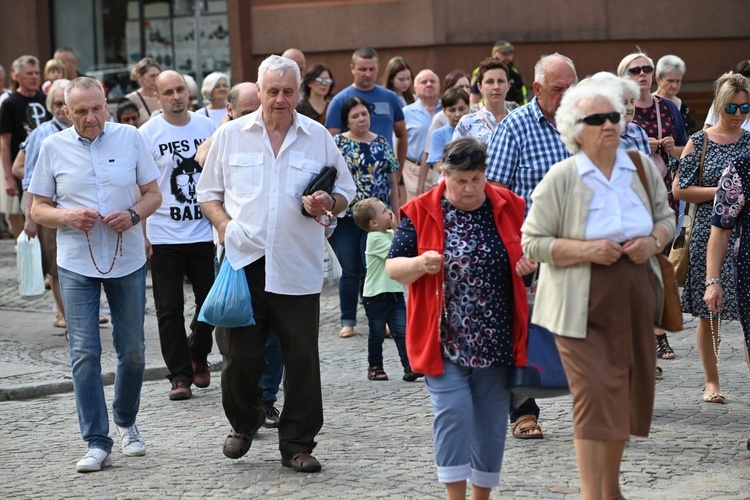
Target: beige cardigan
[559, 209]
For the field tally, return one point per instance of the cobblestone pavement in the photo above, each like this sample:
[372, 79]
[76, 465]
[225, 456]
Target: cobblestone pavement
[376, 441]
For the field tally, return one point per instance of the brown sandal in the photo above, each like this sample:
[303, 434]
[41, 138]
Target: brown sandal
[524, 427]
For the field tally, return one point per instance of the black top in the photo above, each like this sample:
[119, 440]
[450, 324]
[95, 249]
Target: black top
[19, 115]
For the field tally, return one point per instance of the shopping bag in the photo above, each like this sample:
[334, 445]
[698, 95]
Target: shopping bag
[543, 376]
[29, 264]
[331, 266]
[228, 303]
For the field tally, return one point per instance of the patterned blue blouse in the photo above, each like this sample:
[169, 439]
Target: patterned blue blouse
[476, 325]
[729, 201]
[370, 163]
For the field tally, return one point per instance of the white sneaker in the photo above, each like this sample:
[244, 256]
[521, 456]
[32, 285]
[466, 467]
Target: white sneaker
[132, 442]
[94, 460]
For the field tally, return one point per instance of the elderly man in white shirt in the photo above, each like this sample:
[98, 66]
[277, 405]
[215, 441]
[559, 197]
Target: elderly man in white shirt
[251, 191]
[94, 171]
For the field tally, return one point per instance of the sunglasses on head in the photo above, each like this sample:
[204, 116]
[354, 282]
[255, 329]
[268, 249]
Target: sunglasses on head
[326, 81]
[476, 157]
[599, 118]
[732, 108]
[636, 70]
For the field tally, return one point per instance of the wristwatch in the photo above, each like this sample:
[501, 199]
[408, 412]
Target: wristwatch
[134, 217]
[656, 240]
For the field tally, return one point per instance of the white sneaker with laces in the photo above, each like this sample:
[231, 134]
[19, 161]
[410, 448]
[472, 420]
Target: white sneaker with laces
[94, 460]
[132, 442]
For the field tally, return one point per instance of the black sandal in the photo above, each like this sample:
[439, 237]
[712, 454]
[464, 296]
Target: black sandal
[376, 373]
[663, 349]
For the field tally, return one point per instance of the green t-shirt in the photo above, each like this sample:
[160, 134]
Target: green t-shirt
[377, 280]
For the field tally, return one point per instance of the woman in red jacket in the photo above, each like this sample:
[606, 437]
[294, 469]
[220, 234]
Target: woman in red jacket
[458, 248]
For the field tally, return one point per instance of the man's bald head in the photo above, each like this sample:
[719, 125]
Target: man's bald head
[243, 99]
[168, 74]
[297, 56]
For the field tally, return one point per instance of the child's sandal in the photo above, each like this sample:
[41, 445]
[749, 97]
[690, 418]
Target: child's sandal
[376, 373]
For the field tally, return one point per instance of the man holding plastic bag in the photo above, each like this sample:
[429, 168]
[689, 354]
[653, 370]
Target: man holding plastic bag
[251, 190]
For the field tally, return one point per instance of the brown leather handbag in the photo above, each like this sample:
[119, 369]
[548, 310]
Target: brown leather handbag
[679, 254]
[671, 319]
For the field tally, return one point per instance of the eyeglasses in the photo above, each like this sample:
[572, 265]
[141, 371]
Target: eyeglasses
[636, 70]
[476, 157]
[598, 119]
[221, 86]
[324, 81]
[58, 104]
[732, 108]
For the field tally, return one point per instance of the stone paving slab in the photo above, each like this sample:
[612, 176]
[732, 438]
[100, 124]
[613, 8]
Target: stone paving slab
[376, 441]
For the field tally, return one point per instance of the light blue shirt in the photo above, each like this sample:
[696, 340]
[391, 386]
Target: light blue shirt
[102, 174]
[418, 121]
[439, 139]
[34, 144]
[616, 212]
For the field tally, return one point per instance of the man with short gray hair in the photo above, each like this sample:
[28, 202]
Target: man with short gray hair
[251, 190]
[86, 183]
[521, 151]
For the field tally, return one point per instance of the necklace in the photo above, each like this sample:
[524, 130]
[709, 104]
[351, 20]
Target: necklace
[118, 247]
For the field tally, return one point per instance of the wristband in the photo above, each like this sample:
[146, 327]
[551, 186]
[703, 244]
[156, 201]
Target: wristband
[713, 281]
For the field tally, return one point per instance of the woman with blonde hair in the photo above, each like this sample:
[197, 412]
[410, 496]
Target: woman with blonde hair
[697, 184]
[145, 72]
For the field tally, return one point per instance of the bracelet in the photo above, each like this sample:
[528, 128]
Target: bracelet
[333, 200]
[713, 281]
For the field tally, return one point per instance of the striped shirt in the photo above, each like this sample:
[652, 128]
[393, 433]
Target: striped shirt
[522, 149]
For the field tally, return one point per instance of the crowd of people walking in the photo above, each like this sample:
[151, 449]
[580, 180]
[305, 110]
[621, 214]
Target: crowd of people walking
[448, 201]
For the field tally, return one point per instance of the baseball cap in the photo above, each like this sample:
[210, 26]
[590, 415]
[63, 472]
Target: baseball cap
[503, 46]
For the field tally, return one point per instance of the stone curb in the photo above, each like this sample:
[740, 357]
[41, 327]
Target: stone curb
[42, 389]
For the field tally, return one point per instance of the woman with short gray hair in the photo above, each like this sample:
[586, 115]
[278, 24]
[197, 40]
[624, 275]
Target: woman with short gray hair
[669, 73]
[599, 280]
[215, 91]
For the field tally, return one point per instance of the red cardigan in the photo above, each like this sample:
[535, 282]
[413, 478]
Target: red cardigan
[423, 310]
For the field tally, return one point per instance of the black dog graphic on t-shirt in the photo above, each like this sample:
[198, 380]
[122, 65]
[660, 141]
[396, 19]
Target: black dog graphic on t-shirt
[184, 178]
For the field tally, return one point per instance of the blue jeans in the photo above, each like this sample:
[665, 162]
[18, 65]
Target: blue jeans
[471, 421]
[271, 378]
[349, 242]
[127, 303]
[386, 308]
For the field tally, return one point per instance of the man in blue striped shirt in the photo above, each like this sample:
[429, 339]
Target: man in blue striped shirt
[526, 144]
[521, 150]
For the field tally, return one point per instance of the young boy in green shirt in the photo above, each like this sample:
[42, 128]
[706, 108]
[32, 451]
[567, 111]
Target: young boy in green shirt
[383, 297]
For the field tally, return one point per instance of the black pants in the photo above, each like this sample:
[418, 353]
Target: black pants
[169, 265]
[294, 319]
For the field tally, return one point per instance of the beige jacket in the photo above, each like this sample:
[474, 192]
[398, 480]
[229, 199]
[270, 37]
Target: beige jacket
[559, 209]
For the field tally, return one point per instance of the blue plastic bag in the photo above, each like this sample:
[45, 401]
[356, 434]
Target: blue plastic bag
[543, 376]
[228, 303]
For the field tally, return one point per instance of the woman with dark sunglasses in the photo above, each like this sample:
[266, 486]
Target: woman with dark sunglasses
[596, 239]
[661, 120]
[317, 88]
[458, 248]
[726, 141]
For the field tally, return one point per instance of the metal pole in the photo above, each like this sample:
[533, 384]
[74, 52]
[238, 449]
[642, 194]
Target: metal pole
[198, 12]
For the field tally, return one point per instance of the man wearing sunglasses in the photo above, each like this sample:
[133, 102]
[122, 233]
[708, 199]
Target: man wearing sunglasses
[521, 150]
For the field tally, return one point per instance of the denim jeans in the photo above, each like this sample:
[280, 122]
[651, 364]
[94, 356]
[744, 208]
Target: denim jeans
[127, 302]
[271, 378]
[390, 309]
[169, 265]
[349, 243]
[470, 426]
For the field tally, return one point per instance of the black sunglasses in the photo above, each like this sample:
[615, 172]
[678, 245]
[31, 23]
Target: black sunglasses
[732, 108]
[476, 157]
[636, 70]
[599, 118]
